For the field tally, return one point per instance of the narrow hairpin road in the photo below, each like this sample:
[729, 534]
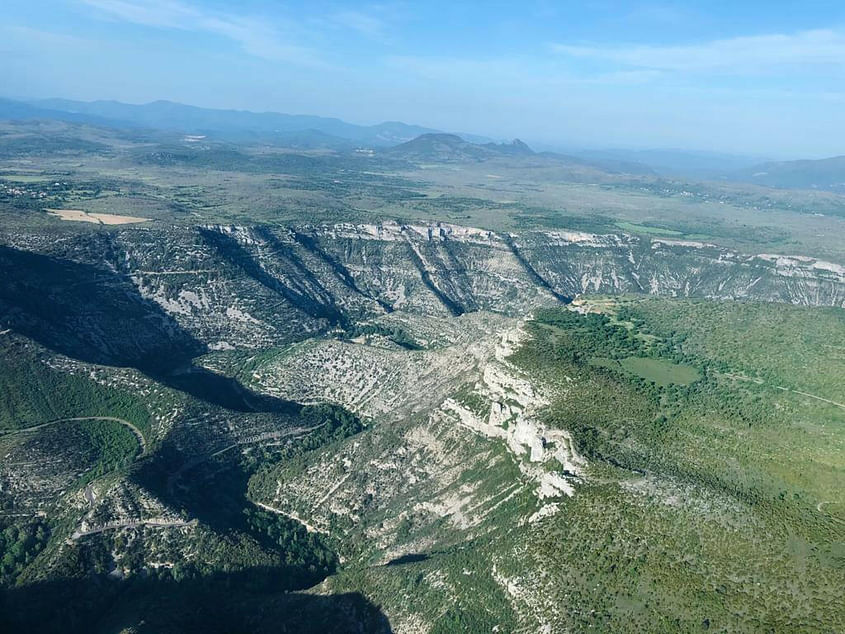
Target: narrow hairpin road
[27, 430]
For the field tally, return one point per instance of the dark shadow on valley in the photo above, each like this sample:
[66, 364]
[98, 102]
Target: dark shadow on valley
[211, 492]
[304, 290]
[97, 316]
[410, 558]
[245, 601]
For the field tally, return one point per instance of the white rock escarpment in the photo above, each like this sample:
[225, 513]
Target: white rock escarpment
[546, 456]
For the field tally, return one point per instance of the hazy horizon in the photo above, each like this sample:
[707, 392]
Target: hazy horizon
[539, 145]
[756, 79]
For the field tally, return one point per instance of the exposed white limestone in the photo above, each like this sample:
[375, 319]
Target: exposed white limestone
[514, 403]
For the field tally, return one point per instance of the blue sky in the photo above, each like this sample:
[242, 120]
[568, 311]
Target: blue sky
[744, 76]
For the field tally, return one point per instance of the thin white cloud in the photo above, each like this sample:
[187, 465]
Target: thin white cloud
[456, 69]
[363, 23]
[27, 37]
[513, 71]
[626, 77]
[823, 47]
[274, 41]
[155, 13]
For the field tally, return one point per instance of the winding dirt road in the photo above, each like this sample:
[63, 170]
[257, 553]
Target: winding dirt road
[310, 528]
[27, 430]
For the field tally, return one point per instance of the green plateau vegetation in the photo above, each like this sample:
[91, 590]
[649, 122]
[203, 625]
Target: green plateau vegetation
[743, 516]
[736, 409]
[787, 346]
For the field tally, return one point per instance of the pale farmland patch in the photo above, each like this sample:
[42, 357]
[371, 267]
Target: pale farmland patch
[102, 219]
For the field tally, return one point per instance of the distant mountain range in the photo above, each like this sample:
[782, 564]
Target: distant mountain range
[824, 174]
[827, 174]
[418, 143]
[304, 131]
[676, 162]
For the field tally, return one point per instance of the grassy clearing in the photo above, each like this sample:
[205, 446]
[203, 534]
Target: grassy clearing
[660, 371]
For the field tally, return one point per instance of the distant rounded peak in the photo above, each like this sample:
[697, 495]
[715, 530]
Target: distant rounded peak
[161, 103]
[444, 137]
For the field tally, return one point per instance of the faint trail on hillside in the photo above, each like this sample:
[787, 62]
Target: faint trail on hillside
[308, 527]
[332, 490]
[185, 272]
[818, 398]
[270, 435]
[820, 508]
[274, 435]
[27, 430]
[749, 379]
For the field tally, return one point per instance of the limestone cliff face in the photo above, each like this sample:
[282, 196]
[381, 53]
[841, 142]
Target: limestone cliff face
[584, 263]
[257, 286]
